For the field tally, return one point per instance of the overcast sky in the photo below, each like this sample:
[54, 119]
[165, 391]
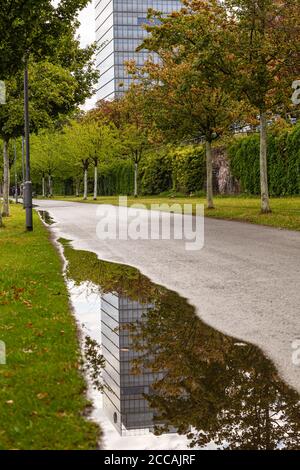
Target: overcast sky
[87, 28]
[87, 36]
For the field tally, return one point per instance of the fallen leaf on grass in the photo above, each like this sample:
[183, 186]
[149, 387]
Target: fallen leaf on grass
[42, 396]
[27, 351]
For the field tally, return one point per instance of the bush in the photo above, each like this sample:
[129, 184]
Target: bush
[188, 169]
[179, 169]
[116, 178]
[283, 162]
[156, 174]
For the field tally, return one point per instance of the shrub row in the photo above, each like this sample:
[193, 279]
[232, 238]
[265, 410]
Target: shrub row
[182, 169]
[283, 162]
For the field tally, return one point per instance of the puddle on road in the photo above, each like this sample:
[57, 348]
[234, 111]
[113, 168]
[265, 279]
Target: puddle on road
[166, 371]
[46, 217]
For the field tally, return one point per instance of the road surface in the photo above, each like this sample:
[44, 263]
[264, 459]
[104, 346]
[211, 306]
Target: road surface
[244, 282]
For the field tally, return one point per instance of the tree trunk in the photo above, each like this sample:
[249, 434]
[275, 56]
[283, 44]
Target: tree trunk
[50, 186]
[16, 189]
[6, 180]
[136, 172]
[1, 224]
[43, 186]
[85, 192]
[265, 202]
[96, 182]
[16, 194]
[209, 168]
[77, 188]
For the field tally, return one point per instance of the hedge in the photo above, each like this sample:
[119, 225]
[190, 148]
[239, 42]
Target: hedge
[283, 162]
[181, 169]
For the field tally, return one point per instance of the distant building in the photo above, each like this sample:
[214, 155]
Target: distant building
[118, 33]
[124, 401]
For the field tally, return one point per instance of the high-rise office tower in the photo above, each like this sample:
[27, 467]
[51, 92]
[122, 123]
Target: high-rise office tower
[119, 31]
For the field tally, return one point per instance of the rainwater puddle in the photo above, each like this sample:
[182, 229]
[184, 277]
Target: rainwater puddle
[163, 379]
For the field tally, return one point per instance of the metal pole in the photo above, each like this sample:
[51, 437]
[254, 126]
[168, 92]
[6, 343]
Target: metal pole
[28, 184]
[16, 174]
[23, 169]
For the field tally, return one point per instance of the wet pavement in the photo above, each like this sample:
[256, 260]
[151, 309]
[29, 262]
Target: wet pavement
[245, 282]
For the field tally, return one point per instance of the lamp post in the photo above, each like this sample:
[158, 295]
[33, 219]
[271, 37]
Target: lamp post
[16, 173]
[27, 184]
[23, 168]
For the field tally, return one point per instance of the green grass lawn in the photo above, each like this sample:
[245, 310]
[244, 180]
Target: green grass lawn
[42, 391]
[285, 211]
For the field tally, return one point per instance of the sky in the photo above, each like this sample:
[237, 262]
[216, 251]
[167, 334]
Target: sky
[87, 36]
[87, 28]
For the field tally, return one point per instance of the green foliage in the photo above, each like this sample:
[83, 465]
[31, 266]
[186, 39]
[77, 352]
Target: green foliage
[188, 169]
[33, 27]
[156, 174]
[244, 162]
[181, 169]
[283, 162]
[116, 178]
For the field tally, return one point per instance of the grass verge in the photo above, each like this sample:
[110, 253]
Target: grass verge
[285, 211]
[42, 392]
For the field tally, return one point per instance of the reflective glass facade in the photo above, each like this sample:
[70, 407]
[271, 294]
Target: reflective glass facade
[124, 402]
[119, 32]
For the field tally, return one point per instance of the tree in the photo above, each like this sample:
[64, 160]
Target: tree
[53, 94]
[138, 135]
[33, 27]
[104, 140]
[135, 143]
[89, 142]
[185, 95]
[262, 41]
[57, 87]
[47, 159]
[11, 120]
[76, 149]
[31, 30]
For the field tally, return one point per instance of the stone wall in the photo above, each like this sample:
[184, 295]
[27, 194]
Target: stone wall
[224, 182]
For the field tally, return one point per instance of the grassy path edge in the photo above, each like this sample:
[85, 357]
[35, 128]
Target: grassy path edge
[43, 402]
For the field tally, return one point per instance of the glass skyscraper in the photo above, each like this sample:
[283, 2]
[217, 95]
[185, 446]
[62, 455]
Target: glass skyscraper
[119, 31]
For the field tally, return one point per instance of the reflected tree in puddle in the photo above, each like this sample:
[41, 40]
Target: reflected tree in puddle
[46, 217]
[214, 388]
[94, 363]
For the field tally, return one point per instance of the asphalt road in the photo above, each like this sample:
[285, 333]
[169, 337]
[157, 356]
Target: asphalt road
[244, 282]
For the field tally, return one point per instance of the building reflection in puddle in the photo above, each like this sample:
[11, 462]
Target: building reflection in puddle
[124, 391]
[214, 388]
